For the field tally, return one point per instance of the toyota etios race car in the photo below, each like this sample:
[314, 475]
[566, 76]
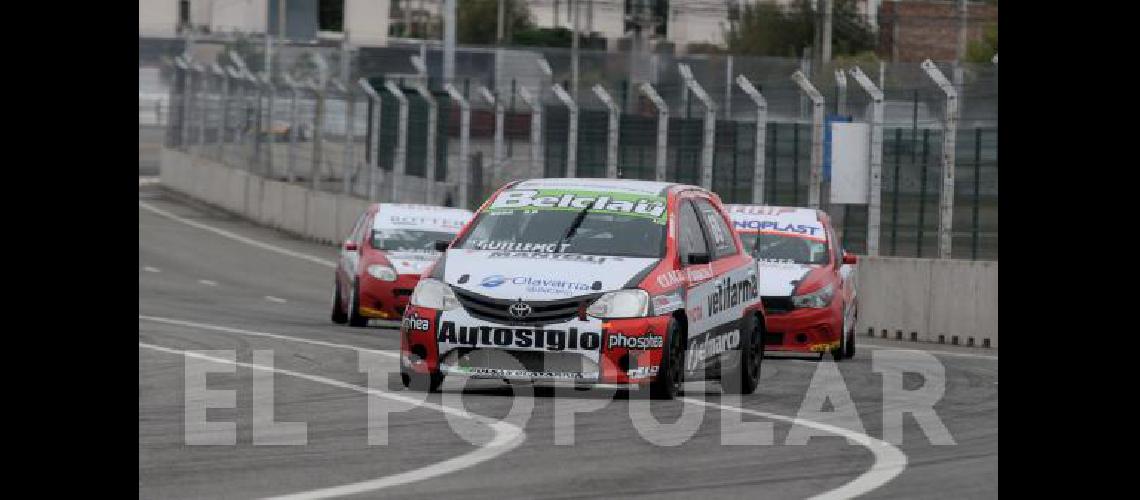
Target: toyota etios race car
[590, 281]
[381, 261]
[807, 282]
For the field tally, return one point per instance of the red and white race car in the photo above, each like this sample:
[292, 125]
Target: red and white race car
[590, 281]
[381, 261]
[807, 282]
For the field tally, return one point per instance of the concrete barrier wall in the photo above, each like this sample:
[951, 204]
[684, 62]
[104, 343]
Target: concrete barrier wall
[929, 300]
[919, 299]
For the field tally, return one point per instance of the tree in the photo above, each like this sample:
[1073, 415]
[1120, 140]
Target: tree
[765, 29]
[477, 20]
[982, 51]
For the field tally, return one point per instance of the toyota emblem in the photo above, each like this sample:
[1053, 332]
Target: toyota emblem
[519, 309]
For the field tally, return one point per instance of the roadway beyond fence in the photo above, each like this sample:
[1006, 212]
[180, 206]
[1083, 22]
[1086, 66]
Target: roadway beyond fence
[926, 300]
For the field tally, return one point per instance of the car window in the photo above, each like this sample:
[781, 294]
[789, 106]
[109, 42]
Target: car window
[720, 236]
[355, 234]
[692, 239]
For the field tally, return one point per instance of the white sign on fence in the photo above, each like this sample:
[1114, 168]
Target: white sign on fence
[850, 163]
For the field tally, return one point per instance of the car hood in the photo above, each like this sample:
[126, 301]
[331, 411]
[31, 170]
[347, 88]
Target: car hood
[539, 276]
[780, 279]
[411, 262]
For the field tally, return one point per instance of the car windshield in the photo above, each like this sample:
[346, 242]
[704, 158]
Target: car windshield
[583, 231]
[408, 240]
[788, 249]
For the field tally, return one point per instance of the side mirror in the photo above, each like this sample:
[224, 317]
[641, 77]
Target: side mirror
[351, 246]
[850, 258]
[698, 258]
[441, 245]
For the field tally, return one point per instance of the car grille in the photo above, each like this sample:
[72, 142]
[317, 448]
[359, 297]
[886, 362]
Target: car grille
[542, 312]
[777, 304]
[534, 361]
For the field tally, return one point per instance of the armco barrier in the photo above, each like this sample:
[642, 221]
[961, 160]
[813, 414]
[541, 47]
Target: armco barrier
[929, 300]
[923, 299]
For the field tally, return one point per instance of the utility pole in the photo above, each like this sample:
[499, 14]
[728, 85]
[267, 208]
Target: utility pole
[499, 43]
[574, 50]
[825, 43]
[449, 40]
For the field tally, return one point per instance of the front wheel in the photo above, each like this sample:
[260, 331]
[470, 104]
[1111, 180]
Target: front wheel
[354, 317]
[671, 376]
[746, 376]
[421, 382]
[338, 315]
[850, 347]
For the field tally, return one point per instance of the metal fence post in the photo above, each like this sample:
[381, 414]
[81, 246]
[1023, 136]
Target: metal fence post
[709, 141]
[874, 201]
[184, 119]
[464, 141]
[758, 167]
[815, 178]
[572, 133]
[950, 131]
[841, 99]
[255, 123]
[662, 130]
[432, 126]
[318, 86]
[346, 153]
[224, 97]
[267, 83]
[290, 162]
[611, 132]
[399, 163]
[374, 119]
[537, 162]
[200, 102]
[498, 105]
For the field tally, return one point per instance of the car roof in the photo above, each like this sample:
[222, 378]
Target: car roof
[419, 217]
[786, 215]
[632, 186]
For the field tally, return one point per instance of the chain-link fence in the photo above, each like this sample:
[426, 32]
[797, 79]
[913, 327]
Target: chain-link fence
[318, 128]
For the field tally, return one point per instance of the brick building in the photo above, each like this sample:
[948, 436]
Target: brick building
[910, 31]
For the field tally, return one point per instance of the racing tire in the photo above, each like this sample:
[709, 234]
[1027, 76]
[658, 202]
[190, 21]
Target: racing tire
[849, 348]
[420, 382]
[671, 378]
[746, 377]
[338, 315]
[354, 317]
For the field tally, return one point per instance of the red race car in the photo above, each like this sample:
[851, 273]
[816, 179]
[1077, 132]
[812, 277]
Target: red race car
[381, 261]
[807, 282]
[590, 281]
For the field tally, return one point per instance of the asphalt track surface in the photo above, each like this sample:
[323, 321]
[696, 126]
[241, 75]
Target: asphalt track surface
[204, 287]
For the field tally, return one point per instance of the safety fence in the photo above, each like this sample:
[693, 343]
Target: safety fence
[399, 135]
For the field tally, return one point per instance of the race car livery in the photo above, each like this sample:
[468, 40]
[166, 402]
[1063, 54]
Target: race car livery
[590, 281]
[382, 259]
[807, 281]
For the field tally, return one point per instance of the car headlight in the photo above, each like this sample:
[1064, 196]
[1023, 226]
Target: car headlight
[631, 303]
[382, 272]
[817, 299]
[434, 294]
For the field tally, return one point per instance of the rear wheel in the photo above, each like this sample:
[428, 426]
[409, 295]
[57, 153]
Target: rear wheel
[354, 317]
[671, 376]
[746, 376]
[338, 315]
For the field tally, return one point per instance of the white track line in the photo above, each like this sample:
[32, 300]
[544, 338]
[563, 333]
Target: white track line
[251, 333]
[889, 460]
[507, 436]
[208, 282]
[237, 237]
[939, 353]
[152, 269]
[278, 300]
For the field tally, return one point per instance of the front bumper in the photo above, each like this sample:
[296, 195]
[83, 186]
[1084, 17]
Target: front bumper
[805, 330]
[427, 347]
[386, 299]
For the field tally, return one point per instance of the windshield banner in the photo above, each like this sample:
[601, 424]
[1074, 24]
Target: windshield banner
[634, 205]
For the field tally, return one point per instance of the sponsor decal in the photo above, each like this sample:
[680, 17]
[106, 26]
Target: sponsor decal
[499, 372]
[415, 322]
[729, 294]
[537, 337]
[631, 342]
[759, 209]
[512, 246]
[652, 207]
[691, 273]
[700, 350]
[561, 257]
[667, 303]
[771, 225]
[537, 285]
[776, 262]
[642, 372]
